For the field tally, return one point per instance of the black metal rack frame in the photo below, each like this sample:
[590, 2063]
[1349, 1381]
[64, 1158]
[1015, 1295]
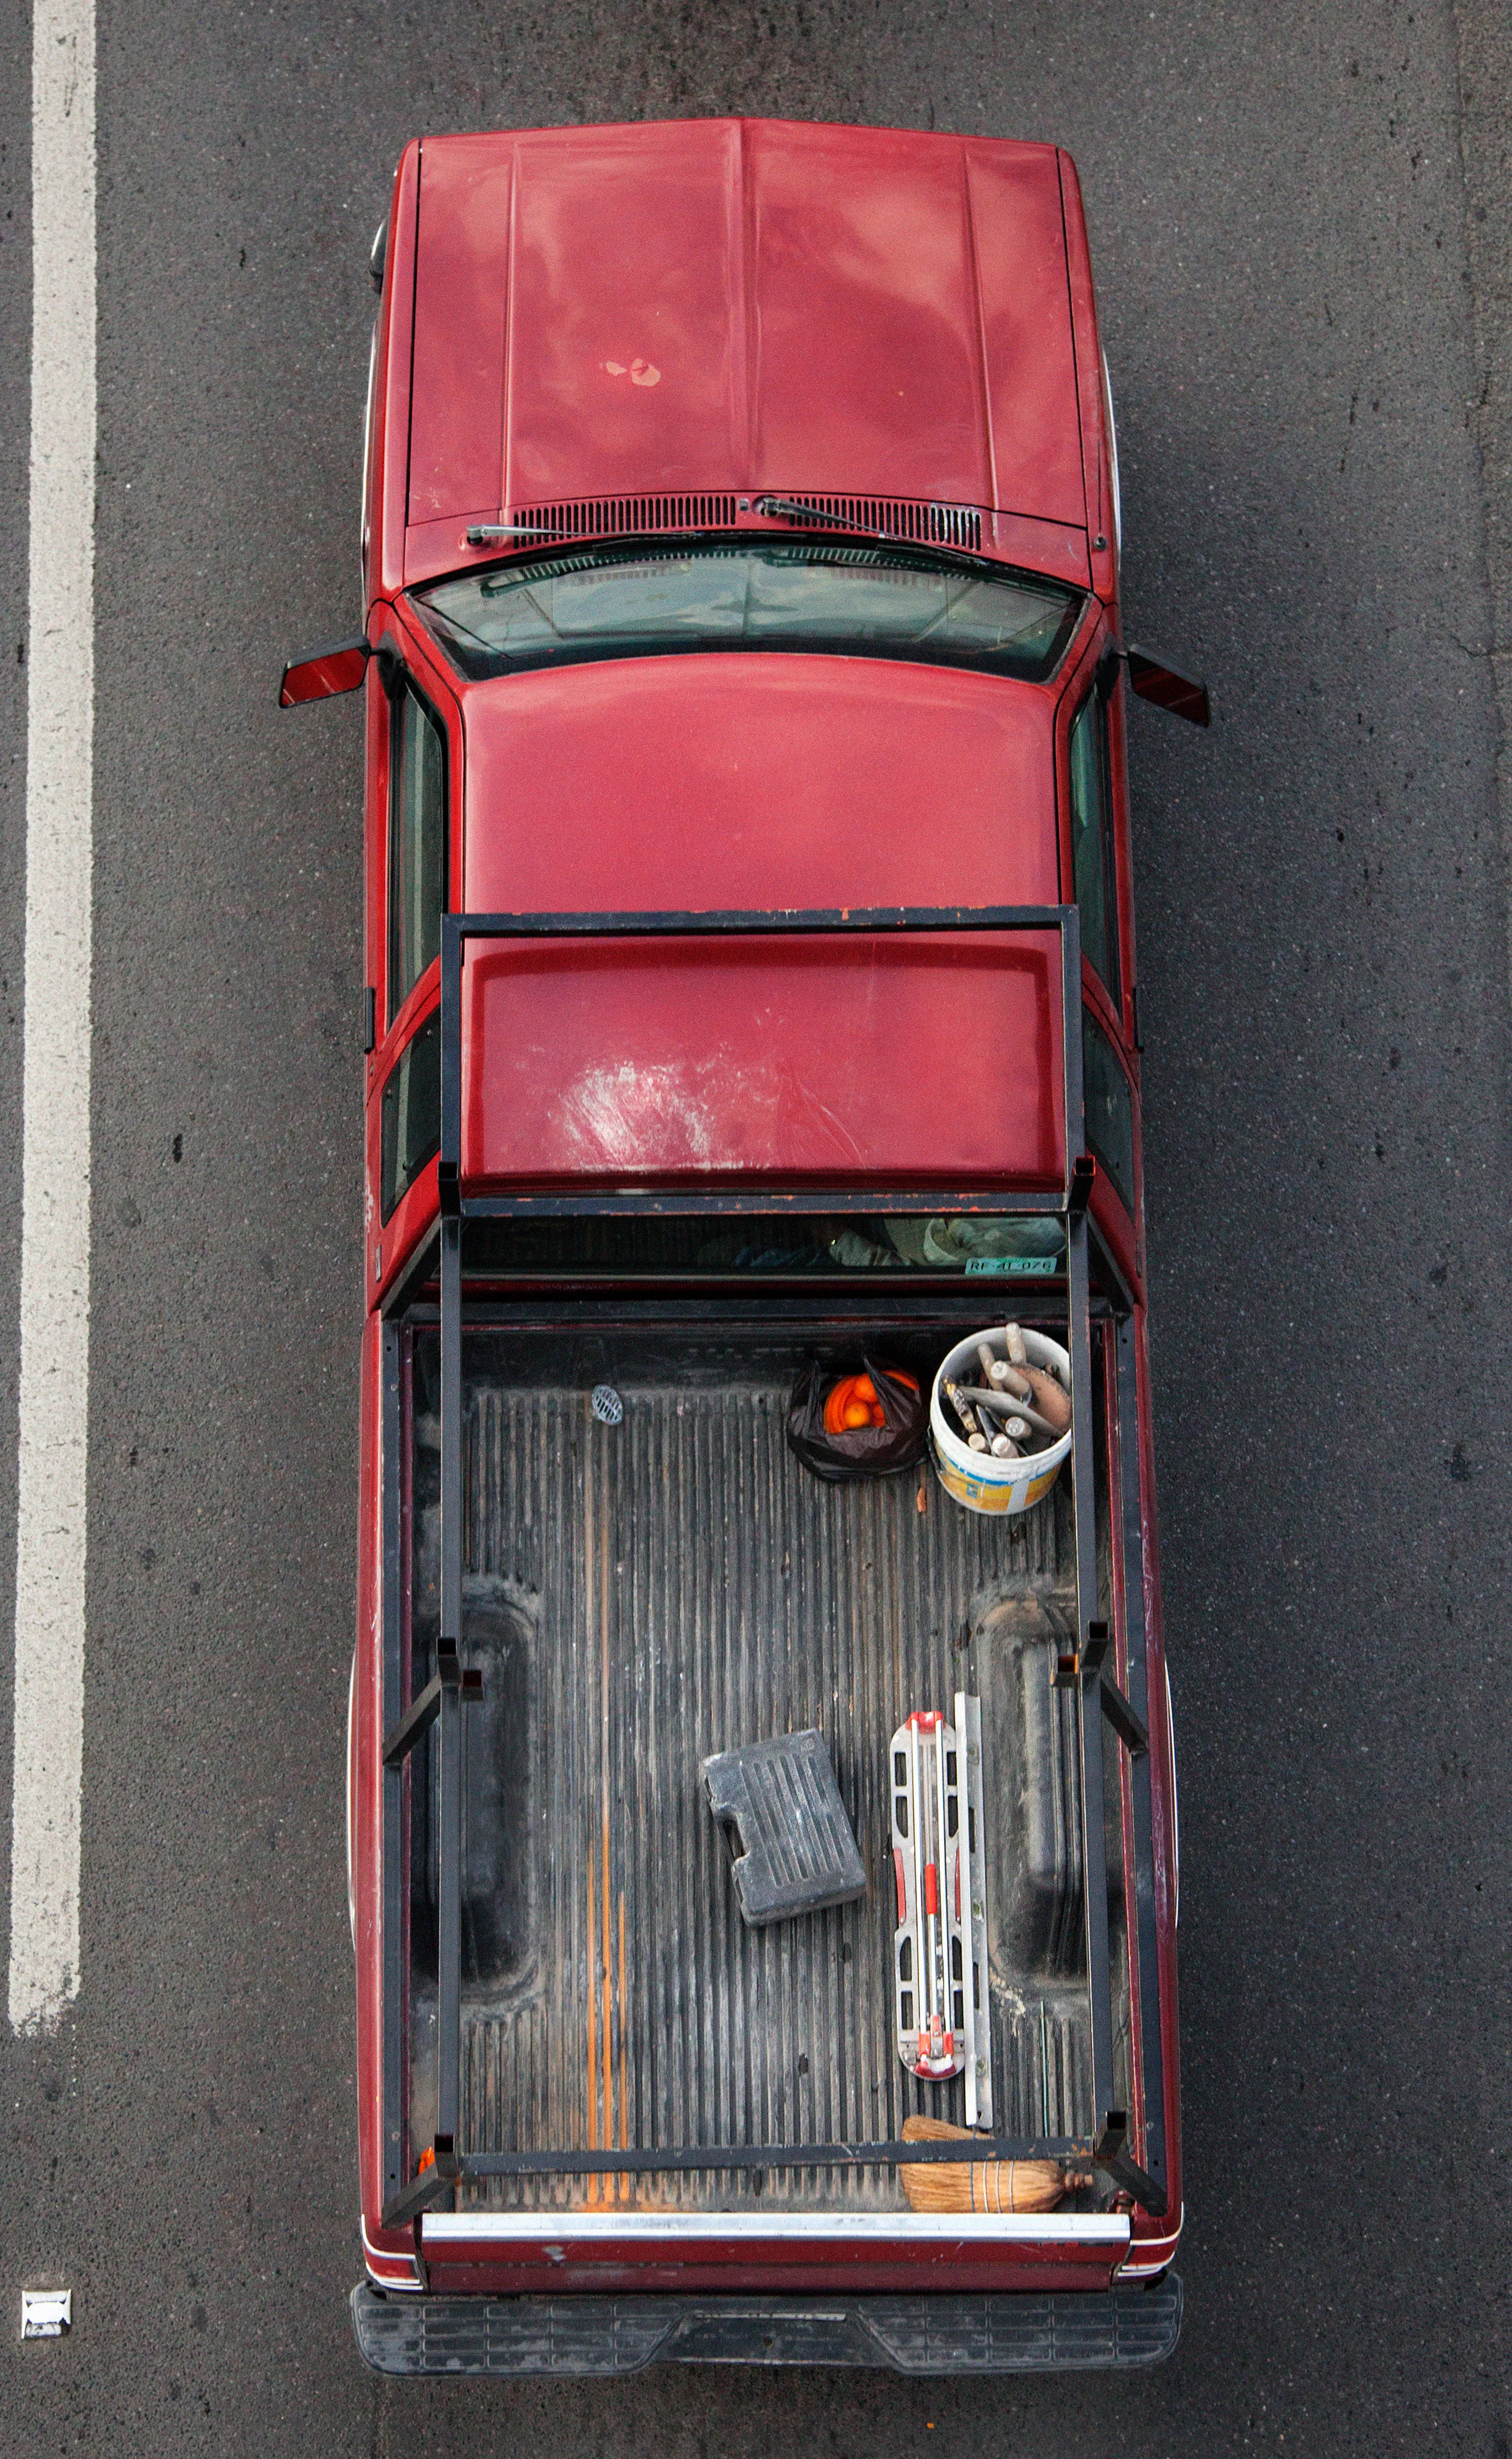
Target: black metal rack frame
[1089, 1670]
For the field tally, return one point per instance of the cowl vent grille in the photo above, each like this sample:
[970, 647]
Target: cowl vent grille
[958, 525]
[614, 516]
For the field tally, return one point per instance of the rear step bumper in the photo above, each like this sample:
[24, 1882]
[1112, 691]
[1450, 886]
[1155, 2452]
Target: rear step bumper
[410, 2334]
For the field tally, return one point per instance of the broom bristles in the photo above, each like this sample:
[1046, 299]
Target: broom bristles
[984, 2186]
[978, 2185]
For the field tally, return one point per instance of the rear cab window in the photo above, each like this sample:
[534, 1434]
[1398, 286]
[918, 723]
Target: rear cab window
[1108, 1099]
[411, 1125]
[1005, 1246]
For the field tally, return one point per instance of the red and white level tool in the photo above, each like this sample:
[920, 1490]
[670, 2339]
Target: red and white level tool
[939, 1946]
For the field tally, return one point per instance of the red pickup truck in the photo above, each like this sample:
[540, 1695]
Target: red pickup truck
[751, 993]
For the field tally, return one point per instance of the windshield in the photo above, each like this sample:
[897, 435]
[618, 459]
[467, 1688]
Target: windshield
[794, 594]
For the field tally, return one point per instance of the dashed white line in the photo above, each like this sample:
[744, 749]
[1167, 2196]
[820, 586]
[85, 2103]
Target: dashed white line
[56, 1086]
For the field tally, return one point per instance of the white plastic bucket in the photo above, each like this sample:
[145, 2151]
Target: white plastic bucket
[976, 1478]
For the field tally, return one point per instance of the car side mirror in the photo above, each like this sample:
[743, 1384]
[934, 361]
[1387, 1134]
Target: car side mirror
[325, 675]
[1184, 695]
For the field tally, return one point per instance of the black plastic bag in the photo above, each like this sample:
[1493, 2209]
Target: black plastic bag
[857, 1451]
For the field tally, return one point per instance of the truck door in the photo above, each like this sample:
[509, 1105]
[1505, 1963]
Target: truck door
[413, 836]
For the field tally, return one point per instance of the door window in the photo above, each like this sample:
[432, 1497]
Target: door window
[417, 845]
[1092, 842]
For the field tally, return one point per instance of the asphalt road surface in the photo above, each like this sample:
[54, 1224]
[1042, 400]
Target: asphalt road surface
[1301, 221]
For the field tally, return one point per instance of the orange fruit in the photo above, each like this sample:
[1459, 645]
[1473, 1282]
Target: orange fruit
[855, 1401]
[836, 1400]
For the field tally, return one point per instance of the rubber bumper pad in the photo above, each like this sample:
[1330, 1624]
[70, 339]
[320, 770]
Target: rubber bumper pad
[413, 2334]
[798, 1847]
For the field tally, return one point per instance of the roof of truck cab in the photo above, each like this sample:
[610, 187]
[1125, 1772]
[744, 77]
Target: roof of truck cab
[764, 781]
[739, 306]
[755, 780]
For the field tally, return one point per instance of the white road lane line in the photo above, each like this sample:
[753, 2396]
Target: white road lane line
[56, 1083]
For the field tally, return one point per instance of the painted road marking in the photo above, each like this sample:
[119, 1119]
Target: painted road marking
[56, 1062]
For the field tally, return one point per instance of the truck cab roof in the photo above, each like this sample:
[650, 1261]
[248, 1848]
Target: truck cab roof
[757, 780]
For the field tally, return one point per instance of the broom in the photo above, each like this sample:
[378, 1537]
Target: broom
[980, 2185]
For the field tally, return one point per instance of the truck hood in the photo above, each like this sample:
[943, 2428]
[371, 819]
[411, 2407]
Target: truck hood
[729, 306]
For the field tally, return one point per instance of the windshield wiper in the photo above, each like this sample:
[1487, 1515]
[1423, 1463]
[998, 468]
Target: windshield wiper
[487, 533]
[785, 508]
[499, 533]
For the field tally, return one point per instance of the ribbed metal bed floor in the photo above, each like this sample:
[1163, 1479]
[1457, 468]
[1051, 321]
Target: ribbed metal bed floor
[652, 1592]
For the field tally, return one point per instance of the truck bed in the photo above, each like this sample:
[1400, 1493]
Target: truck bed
[638, 1596]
